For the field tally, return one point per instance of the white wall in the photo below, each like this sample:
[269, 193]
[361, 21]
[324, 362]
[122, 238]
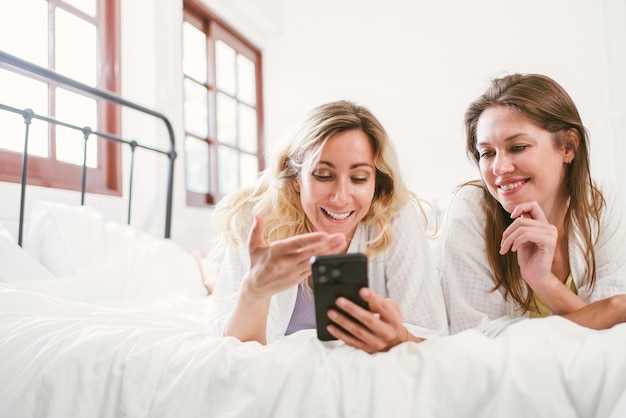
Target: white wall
[416, 65]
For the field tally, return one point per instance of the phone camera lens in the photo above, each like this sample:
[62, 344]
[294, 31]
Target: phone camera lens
[321, 269]
[323, 279]
[335, 273]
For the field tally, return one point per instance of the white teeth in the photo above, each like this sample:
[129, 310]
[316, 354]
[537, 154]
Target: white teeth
[511, 186]
[337, 216]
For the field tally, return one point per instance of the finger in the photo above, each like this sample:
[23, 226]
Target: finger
[372, 339]
[524, 231]
[315, 245]
[348, 339]
[364, 316]
[355, 328]
[375, 302]
[529, 210]
[256, 240]
[301, 242]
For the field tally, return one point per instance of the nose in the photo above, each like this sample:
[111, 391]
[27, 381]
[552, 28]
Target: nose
[340, 194]
[502, 164]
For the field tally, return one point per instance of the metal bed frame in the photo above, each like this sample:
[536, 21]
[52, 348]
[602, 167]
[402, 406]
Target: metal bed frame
[28, 115]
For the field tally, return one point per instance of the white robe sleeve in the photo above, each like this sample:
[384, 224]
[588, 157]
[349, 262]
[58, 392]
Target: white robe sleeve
[466, 275]
[610, 251]
[234, 267]
[408, 276]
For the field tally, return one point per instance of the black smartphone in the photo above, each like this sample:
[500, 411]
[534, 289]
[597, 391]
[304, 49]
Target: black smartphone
[334, 276]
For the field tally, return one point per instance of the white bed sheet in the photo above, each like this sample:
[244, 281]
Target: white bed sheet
[64, 357]
[126, 336]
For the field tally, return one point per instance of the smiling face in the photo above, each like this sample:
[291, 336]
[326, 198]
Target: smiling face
[519, 161]
[337, 193]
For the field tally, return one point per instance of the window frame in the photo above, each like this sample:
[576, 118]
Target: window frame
[105, 178]
[216, 29]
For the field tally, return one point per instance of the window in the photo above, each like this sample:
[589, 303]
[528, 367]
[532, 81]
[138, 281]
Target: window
[78, 39]
[222, 107]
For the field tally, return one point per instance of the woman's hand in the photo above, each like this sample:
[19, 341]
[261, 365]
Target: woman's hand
[274, 268]
[285, 263]
[534, 239]
[378, 329]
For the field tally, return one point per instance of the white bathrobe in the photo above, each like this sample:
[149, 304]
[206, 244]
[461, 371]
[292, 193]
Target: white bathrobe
[466, 275]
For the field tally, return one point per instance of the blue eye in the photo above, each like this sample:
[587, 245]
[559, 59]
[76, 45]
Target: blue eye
[486, 154]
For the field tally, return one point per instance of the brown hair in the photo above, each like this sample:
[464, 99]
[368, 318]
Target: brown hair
[550, 107]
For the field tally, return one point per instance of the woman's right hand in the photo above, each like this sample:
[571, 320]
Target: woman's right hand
[285, 263]
[274, 268]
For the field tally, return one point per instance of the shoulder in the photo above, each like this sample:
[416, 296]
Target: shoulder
[412, 214]
[467, 203]
[610, 191]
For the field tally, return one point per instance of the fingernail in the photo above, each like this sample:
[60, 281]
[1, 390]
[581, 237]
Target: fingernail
[341, 302]
[332, 314]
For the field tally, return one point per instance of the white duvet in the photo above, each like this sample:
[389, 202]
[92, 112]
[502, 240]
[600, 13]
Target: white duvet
[126, 338]
[61, 358]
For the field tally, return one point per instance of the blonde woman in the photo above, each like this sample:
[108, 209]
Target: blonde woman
[333, 188]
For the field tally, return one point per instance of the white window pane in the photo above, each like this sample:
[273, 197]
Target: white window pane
[14, 133]
[246, 80]
[24, 30]
[197, 165]
[195, 109]
[248, 169]
[80, 111]
[228, 169]
[70, 147]
[225, 67]
[86, 6]
[247, 129]
[226, 119]
[76, 51]
[194, 53]
[23, 92]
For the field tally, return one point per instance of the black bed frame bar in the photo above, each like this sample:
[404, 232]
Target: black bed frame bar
[29, 115]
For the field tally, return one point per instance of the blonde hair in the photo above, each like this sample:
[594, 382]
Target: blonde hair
[277, 201]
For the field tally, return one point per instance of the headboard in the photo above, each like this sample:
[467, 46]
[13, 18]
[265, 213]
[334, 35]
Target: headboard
[28, 114]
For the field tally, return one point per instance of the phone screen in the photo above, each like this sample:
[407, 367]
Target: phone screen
[334, 276]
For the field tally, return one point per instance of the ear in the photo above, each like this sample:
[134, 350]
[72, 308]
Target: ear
[572, 139]
[296, 185]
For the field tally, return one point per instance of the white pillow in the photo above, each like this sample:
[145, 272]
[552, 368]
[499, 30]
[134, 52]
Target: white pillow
[121, 236]
[65, 238]
[17, 264]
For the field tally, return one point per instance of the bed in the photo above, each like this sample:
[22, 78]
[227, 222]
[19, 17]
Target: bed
[101, 319]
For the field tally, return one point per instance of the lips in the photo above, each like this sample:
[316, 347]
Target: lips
[337, 216]
[508, 187]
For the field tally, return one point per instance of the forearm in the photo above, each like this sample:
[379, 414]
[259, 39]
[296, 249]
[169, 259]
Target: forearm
[558, 297]
[601, 314]
[248, 321]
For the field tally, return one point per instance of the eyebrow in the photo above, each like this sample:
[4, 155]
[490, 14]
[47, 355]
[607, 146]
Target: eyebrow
[352, 167]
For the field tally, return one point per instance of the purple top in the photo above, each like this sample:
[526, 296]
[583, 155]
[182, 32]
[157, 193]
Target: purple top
[303, 316]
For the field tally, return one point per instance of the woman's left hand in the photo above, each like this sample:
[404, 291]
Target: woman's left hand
[378, 329]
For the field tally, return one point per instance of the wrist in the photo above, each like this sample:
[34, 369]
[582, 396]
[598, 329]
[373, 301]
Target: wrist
[250, 294]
